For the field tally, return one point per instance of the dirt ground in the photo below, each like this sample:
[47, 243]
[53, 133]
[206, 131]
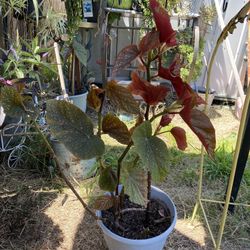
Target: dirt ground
[35, 214]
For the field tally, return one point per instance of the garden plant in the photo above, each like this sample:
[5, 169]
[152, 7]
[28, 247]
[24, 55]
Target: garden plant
[145, 155]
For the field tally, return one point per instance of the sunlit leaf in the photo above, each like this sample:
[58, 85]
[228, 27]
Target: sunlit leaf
[151, 94]
[202, 127]
[103, 202]
[107, 179]
[74, 129]
[152, 151]
[180, 137]
[117, 129]
[134, 180]
[125, 57]
[122, 98]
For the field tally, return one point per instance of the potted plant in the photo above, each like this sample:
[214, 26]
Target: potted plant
[129, 196]
[116, 211]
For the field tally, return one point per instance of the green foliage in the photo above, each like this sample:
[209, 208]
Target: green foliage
[134, 180]
[52, 27]
[186, 52]
[74, 15]
[107, 179]
[220, 166]
[26, 62]
[74, 129]
[152, 151]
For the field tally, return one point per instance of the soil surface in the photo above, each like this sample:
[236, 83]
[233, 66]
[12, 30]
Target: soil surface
[135, 223]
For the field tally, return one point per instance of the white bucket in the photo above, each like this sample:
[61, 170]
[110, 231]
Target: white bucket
[116, 242]
[80, 101]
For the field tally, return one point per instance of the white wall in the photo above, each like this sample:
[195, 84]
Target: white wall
[222, 77]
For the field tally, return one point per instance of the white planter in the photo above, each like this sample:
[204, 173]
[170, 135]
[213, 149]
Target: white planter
[72, 166]
[80, 101]
[116, 242]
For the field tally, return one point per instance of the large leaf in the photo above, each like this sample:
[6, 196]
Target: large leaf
[80, 52]
[121, 98]
[74, 129]
[117, 129]
[151, 94]
[134, 180]
[152, 151]
[149, 41]
[202, 127]
[103, 202]
[180, 137]
[162, 21]
[12, 102]
[125, 57]
[107, 179]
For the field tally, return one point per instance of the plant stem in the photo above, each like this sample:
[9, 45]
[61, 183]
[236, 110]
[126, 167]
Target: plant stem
[119, 165]
[63, 175]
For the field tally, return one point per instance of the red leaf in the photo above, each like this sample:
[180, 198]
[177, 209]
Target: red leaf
[166, 119]
[149, 41]
[184, 92]
[151, 94]
[162, 21]
[125, 57]
[180, 137]
[202, 127]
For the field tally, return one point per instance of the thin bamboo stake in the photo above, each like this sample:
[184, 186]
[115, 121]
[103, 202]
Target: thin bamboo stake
[234, 166]
[60, 71]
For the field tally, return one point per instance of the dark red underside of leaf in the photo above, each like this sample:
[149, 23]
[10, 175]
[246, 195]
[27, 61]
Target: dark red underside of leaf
[162, 21]
[201, 125]
[180, 137]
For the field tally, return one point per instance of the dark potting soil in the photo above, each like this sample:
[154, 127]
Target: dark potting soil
[133, 224]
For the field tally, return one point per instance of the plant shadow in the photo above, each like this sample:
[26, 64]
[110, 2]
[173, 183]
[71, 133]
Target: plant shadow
[23, 223]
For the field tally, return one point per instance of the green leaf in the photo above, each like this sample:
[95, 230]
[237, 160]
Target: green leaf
[107, 179]
[115, 128]
[36, 8]
[134, 180]
[121, 98]
[12, 102]
[74, 129]
[152, 151]
[103, 202]
[80, 52]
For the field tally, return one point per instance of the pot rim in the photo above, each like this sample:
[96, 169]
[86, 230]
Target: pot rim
[143, 241]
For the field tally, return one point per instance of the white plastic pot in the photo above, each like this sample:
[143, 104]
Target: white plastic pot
[80, 101]
[72, 166]
[116, 242]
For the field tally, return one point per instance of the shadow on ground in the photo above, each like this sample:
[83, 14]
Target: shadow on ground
[23, 224]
